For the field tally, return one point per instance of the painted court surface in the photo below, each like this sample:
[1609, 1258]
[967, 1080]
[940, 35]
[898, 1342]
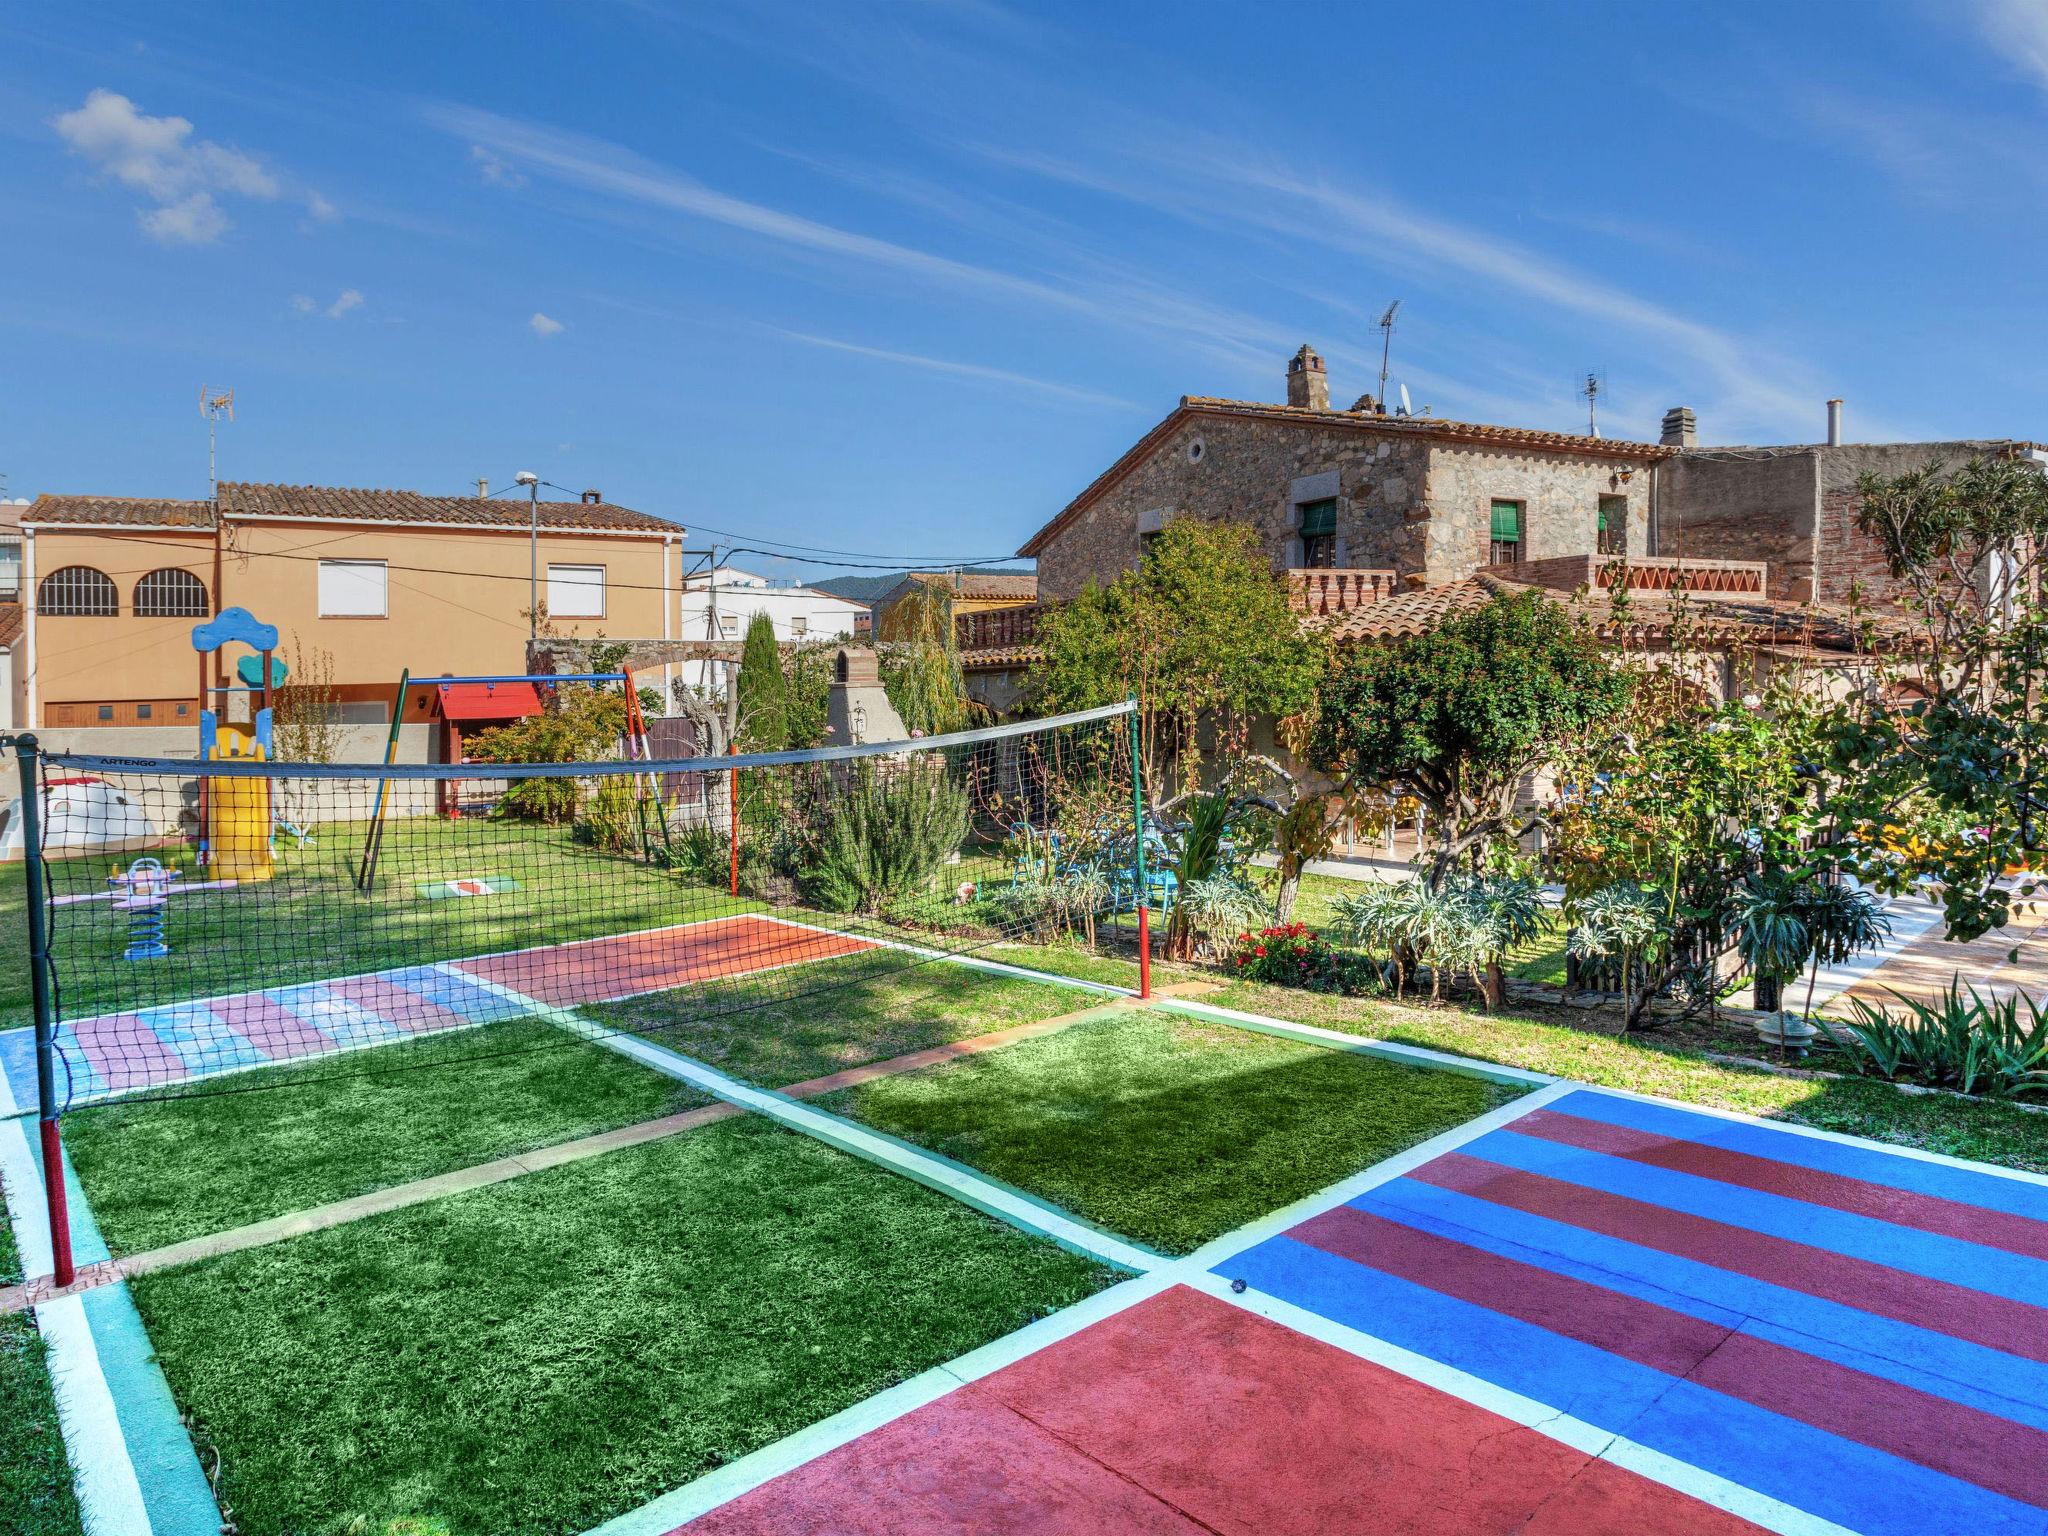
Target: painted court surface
[159, 1047]
[1704, 1314]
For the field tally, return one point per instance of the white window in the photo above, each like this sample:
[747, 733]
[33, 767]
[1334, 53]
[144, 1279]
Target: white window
[729, 626]
[575, 591]
[353, 589]
[800, 624]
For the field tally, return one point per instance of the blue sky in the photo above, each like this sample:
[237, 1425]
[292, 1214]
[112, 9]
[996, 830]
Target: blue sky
[902, 278]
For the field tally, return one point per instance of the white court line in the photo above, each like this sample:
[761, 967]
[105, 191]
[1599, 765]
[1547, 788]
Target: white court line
[110, 1500]
[992, 1199]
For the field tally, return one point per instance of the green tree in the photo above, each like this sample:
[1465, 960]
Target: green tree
[1201, 633]
[1941, 759]
[920, 663]
[1458, 716]
[762, 689]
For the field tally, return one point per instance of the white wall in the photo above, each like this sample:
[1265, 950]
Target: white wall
[734, 596]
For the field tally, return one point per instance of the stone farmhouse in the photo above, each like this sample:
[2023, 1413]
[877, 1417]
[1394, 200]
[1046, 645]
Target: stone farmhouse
[1381, 524]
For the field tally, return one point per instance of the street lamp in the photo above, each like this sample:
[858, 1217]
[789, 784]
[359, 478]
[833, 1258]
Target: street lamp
[531, 481]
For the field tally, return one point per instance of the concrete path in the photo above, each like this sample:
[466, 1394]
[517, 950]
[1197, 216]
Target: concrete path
[1924, 968]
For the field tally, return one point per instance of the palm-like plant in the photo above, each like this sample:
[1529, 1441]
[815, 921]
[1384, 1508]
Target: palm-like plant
[1626, 922]
[1219, 906]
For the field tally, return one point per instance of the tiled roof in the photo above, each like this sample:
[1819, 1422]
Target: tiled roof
[336, 504]
[1433, 428]
[1719, 617]
[1021, 585]
[344, 504]
[10, 624]
[117, 511]
[1001, 657]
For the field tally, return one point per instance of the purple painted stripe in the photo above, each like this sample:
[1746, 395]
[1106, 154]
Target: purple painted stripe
[1981, 1448]
[408, 1010]
[127, 1053]
[1937, 1305]
[272, 1028]
[1862, 1197]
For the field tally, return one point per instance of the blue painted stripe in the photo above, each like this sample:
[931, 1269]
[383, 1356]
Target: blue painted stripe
[343, 1022]
[18, 1061]
[77, 1077]
[2011, 1275]
[1840, 1480]
[200, 1039]
[457, 993]
[174, 1488]
[1986, 1379]
[2018, 1196]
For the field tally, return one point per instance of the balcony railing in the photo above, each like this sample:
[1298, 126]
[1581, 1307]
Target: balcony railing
[1325, 591]
[996, 628]
[1645, 573]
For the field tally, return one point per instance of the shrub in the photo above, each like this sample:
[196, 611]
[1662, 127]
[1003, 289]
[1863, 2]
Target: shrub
[1295, 955]
[1220, 905]
[609, 817]
[894, 826]
[1996, 1046]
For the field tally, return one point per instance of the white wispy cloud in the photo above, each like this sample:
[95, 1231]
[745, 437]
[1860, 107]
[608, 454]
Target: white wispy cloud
[495, 169]
[2019, 30]
[948, 366]
[158, 157]
[348, 299]
[544, 326]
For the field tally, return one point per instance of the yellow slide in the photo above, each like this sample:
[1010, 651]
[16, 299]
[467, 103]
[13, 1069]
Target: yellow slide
[238, 815]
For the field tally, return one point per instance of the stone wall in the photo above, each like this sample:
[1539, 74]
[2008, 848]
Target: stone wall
[1746, 504]
[1846, 556]
[1560, 496]
[1405, 503]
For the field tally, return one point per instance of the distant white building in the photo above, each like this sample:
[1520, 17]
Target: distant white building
[720, 603]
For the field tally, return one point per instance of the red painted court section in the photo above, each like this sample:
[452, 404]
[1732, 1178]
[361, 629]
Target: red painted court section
[1184, 1414]
[600, 970]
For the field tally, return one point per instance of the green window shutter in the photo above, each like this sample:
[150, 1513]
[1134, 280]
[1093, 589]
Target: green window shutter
[1507, 522]
[1318, 518]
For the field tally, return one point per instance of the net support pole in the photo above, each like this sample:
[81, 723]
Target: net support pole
[1139, 895]
[733, 795]
[45, 1012]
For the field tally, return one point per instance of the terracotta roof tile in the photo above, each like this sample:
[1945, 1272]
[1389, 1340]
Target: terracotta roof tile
[117, 511]
[10, 624]
[996, 658]
[347, 504]
[1021, 585]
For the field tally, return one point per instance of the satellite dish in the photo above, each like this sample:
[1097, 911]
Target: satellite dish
[1406, 408]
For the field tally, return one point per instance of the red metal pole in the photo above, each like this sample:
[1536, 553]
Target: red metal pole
[1144, 949]
[733, 774]
[60, 1214]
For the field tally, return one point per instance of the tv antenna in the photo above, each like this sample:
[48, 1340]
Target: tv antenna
[1386, 349]
[1594, 387]
[212, 407]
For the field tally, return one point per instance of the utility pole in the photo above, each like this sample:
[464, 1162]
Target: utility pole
[531, 481]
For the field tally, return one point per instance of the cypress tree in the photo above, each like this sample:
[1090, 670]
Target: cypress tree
[763, 691]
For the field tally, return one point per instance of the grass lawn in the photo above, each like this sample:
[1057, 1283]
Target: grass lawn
[35, 1479]
[541, 1355]
[308, 923]
[159, 1171]
[1166, 1129]
[1675, 1069]
[1541, 958]
[848, 1015]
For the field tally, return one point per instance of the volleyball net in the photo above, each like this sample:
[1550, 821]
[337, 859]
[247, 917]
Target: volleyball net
[199, 923]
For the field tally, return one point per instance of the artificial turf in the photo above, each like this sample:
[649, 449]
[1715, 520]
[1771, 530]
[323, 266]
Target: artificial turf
[787, 1026]
[541, 1355]
[35, 1479]
[1168, 1129]
[265, 1143]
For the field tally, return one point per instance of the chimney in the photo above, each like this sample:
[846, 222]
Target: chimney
[1307, 384]
[593, 498]
[1834, 423]
[1681, 428]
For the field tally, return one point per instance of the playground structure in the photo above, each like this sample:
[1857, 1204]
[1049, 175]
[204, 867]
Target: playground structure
[485, 702]
[236, 816]
[143, 892]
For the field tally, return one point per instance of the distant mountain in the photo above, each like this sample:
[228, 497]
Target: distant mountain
[865, 589]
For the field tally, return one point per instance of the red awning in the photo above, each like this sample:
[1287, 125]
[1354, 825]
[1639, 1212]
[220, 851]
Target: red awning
[489, 701]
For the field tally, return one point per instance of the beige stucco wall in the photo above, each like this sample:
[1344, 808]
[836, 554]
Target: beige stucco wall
[457, 602]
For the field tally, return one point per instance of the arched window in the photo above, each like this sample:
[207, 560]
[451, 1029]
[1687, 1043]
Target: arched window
[170, 594]
[78, 591]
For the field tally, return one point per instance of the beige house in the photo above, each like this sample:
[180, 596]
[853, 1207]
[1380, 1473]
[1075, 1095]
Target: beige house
[383, 582]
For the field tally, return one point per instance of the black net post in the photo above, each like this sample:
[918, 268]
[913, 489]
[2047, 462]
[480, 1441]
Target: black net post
[45, 1010]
